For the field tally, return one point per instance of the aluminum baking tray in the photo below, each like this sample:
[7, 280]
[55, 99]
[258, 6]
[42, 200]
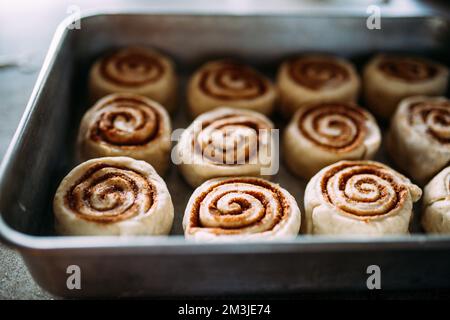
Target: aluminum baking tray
[41, 153]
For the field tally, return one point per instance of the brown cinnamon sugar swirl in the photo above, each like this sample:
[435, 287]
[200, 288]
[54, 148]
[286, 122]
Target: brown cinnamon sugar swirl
[126, 125]
[241, 208]
[135, 70]
[436, 203]
[390, 78]
[319, 135]
[359, 197]
[419, 137]
[227, 83]
[313, 79]
[226, 142]
[113, 196]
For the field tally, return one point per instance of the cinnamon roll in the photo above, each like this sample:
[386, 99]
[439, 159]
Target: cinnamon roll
[313, 79]
[436, 204]
[113, 196]
[322, 134]
[388, 79]
[419, 137]
[241, 208]
[135, 70]
[227, 142]
[227, 83]
[126, 125]
[359, 198]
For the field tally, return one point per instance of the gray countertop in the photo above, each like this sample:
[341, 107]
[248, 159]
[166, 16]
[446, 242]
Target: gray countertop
[26, 28]
[16, 83]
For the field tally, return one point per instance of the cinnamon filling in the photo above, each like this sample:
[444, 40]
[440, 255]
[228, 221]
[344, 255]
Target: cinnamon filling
[316, 73]
[408, 69]
[232, 81]
[131, 68]
[334, 127]
[107, 194]
[363, 189]
[243, 195]
[126, 122]
[431, 118]
[230, 139]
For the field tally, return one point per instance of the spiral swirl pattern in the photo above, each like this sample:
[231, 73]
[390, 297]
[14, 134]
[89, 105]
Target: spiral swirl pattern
[232, 81]
[363, 188]
[337, 127]
[107, 194]
[407, 69]
[316, 73]
[232, 138]
[132, 67]
[126, 121]
[431, 118]
[239, 206]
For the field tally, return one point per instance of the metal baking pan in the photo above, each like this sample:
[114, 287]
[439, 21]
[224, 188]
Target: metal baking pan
[41, 153]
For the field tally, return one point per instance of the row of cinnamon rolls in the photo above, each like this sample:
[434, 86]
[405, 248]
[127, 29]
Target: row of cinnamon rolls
[124, 196]
[230, 142]
[301, 81]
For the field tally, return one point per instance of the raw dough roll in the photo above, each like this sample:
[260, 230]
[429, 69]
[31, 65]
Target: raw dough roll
[312, 79]
[419, 137]
[322, 134]
[387, 79]
[241, 208]
[135, 70]
[113, 196]
[227, 142]
[359, 198]
[436, 204]
[126, 125]
[226, 83]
